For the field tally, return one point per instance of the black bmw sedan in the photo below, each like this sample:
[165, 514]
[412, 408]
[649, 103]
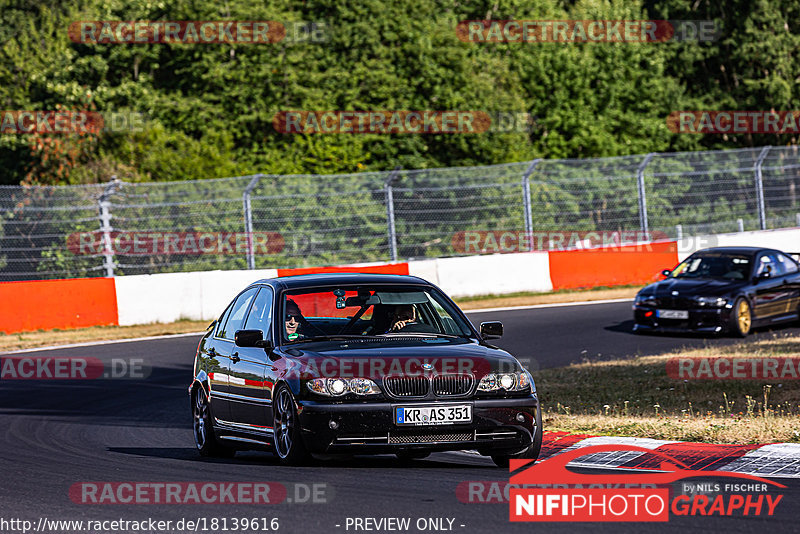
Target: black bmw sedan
[358, 364]
[722, 290]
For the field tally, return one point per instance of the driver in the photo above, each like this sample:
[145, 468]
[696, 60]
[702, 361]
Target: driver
[404, 319]
[293, 320]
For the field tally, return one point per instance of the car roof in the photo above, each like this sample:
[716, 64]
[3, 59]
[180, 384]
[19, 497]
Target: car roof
[302, 281]
[747, 251]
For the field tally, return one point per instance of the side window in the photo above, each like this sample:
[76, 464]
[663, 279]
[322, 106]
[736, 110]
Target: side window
[789, 266]
[261, 312]
[236, 315]
[769, 259]
[222, 320]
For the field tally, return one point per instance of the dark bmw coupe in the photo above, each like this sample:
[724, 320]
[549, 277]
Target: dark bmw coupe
[355, 364]
[722, 290]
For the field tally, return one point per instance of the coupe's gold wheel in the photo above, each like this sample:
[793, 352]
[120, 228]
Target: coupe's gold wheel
[743, 317]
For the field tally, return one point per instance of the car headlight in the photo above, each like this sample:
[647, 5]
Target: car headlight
[714, 302]
[518, 381]
[336, 387]
[645, 300]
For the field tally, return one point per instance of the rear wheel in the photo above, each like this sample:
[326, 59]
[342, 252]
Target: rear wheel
[741, 320]
[288, 443]
[204, 438]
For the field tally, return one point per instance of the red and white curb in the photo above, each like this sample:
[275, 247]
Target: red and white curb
[779, 460]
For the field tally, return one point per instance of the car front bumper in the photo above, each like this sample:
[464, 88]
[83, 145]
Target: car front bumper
[369, 427]
[700, 320]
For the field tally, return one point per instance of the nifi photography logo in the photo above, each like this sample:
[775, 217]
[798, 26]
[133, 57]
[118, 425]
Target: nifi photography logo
[582, 500]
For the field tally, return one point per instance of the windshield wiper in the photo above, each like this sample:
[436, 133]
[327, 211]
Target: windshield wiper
[331, 337]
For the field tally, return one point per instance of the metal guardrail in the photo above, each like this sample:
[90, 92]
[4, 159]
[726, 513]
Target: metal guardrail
[266, 221]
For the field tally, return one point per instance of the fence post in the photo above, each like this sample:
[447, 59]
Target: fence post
[389, 196]
[643, 223]
[248, 220]
[762, 212]
[526, 200]
[105, 225]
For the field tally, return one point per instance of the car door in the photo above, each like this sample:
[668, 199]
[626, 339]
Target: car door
[251, 371]
[216, 367]
[770, 294]
[791, 282]
[223, 348]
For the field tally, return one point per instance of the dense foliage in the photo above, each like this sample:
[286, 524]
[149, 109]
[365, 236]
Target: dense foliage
[209, 107]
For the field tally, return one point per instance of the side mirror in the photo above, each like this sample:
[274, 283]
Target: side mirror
[250, 338]
[666, 272]
[492, 330]
[766, 273]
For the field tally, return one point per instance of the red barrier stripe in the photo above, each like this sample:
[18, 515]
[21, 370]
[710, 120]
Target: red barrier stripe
[391, 268]
[47, 304]
[555, 442]
[636, 264]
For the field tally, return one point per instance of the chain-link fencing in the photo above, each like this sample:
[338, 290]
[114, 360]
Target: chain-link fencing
[267, 221]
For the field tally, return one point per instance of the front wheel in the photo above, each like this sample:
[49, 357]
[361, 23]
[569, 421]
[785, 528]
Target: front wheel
[204, 437]
[741, 320]
[288, 443]
[531, 452]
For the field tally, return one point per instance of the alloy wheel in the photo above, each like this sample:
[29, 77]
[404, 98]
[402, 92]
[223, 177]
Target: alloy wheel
[284, 423]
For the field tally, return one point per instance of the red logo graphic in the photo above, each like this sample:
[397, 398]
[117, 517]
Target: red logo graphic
[622, 504]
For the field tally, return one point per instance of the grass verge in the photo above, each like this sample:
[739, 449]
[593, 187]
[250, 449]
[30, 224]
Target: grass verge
[635, 397]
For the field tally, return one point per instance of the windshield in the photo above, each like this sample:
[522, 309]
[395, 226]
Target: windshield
[367, 311]
[724, 266]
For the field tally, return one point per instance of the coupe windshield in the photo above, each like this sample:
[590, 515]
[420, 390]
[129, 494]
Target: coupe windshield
[724, 266]
[361, 311]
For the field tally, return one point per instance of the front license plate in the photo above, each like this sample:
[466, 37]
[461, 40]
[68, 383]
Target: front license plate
[432, 415]
[672, 314]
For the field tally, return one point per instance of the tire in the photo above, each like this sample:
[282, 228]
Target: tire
[204, 438]
[740, 323]
[407, 456]
[531, 452]
[288, 443]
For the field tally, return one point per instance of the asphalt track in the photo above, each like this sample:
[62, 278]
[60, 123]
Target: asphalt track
[58, 433]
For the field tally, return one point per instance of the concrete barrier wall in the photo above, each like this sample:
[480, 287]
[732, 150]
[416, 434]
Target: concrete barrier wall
[495, 274]
[142, 299]
[168, 297]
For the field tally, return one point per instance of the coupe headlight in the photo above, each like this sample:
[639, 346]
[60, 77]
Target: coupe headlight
[519, 381]
[645, 300]
[713, 302]
[336, 387]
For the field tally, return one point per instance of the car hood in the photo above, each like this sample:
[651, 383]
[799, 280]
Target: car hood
[360, 358]
[690, 287]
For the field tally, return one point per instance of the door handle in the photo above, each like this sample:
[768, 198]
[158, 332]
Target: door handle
[212, 352]
[235, 357]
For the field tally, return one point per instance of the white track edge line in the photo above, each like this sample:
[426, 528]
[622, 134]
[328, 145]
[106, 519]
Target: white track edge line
[101, 342]
[167, 336]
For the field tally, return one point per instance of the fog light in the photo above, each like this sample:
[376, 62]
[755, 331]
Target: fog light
[333, 424]
[521, 417]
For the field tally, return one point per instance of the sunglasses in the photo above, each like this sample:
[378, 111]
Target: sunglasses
[290, 317]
